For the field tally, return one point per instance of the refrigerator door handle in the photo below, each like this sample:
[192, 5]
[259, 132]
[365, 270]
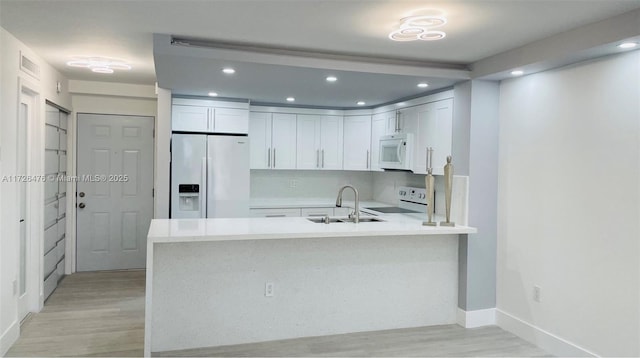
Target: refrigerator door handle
[203, 188]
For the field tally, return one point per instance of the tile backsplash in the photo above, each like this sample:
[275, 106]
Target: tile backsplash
[308, 183]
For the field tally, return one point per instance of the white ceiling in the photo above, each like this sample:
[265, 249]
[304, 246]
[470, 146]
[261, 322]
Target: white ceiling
[476, 29]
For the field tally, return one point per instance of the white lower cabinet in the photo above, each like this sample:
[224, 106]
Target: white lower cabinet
[274, 213]
[308, 212]
[50, 284]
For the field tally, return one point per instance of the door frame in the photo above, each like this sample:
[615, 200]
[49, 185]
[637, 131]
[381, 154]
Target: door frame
[34, 129]
[72, 186]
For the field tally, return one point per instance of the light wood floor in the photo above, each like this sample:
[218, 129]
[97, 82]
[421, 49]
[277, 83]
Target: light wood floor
[102, 314]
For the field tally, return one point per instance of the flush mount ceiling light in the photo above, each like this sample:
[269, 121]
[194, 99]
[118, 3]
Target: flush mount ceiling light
[332, 79]
[290, 99]
[229, 70]
[99, 64]
[517, 73]
[361, 103]
[423, 85]
[414, 28]
[627, 45]
[213, 94]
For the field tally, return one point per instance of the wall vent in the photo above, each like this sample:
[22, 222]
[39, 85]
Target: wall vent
[28, 66]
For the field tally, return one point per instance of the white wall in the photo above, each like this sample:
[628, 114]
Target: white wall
[45, 85]
[569, 207]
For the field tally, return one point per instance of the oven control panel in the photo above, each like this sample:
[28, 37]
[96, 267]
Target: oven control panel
[411, 194]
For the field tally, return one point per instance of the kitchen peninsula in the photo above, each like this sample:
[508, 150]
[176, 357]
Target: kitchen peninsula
[213, 282]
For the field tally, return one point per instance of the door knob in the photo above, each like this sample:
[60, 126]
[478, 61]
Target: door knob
[81, 205]
[81, 194]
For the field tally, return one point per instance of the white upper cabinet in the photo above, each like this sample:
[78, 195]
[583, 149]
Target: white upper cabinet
[190, 118]
[378, 129]
[272, 141]
[319, 142]
[435, 130]
[283, 139]
[357, 143]
[260, 140]
[229, 120]
[331, 137]
[194, 118]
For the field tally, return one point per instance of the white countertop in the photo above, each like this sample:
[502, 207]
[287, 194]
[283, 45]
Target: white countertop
[193, 230]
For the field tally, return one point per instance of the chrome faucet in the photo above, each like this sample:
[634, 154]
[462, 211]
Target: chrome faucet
[356, 214]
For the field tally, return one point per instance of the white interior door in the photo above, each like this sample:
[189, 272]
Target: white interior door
[115, 191]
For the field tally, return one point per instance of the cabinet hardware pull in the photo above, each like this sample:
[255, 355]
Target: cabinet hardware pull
[323, 158]
[275, 216]
[269, 158]
[367, 159]
[317, 158]
[274, 157]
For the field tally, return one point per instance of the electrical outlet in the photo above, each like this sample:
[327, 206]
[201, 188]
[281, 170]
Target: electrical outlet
[268, 289]
[537, 293]
[293, 183]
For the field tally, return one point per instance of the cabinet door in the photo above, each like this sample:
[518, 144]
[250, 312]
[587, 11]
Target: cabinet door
[435, 129]
[283, 141]
[408, 120]
[393, 124]
[230, 120]
[331, 138]
[357, 143]
[308, 212]
[308, 138]
[51, 137]
[274, 213]
[190, 118]
[259, 140]
[378, 129]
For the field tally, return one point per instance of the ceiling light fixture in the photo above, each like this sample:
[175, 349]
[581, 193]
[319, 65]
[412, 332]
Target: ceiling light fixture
[517, 73]
[99, 64]
[627, 45]
[332, 79]
[361, 103]
[414, 28]
[290, 99]
[229, 70]
[212, 94]
[423, 85]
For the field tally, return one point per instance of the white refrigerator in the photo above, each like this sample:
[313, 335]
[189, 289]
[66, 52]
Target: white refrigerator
[209, 176]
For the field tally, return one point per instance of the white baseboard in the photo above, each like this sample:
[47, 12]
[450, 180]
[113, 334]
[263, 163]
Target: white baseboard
[9, 337]
[549, 342]
[477, 318]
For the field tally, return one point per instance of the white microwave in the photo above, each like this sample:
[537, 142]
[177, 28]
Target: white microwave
[396, 151]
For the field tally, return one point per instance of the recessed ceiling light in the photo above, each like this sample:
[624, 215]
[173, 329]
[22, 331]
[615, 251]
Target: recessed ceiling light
[361, 103]
[628, 45]
[517, 73]
[290, 99]
[332, 79]
[229, 70]
[423, 85]
[213, 94]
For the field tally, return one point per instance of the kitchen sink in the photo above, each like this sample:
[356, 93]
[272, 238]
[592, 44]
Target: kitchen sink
[366, 219]
[320, 220]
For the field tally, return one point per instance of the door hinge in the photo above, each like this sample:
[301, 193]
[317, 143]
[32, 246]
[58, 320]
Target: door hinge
[153, 192]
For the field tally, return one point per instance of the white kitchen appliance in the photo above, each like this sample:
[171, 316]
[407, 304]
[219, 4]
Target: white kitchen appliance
[410, 200]
[209, 176]
[396, 151]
